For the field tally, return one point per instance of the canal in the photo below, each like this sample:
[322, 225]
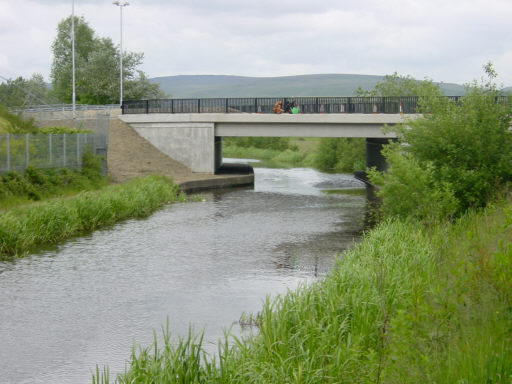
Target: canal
[89, 299]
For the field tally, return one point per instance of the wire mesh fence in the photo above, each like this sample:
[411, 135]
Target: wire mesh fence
[19, 151]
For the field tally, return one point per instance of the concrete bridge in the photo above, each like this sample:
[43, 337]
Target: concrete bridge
[195, 139]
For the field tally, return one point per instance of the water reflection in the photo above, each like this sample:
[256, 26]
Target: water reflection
[87, 300]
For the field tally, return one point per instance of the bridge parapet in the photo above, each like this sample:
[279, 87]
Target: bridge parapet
[269, 105]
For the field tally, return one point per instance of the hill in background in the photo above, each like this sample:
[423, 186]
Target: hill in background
[196, 86]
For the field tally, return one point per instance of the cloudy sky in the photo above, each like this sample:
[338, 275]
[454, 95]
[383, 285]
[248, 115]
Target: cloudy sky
[445, 40]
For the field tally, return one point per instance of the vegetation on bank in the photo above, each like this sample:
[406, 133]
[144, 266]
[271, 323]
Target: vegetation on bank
[426, 297]
[23, 228]
[452, 159]
[409, 304]
[342, 155]
[36, 184]
[15, 124]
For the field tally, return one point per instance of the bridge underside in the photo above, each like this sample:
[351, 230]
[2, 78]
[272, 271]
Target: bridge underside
[195, 139]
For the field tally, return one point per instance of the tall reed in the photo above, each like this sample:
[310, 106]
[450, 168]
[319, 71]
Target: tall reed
[24, 228]
[409, 304]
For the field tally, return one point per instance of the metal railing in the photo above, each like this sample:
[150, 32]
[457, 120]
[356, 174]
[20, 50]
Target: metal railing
[63, 107]
[19, 151]
[266, 105]
[405, 104]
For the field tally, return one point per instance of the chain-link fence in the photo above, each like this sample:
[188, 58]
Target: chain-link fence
[18, 151]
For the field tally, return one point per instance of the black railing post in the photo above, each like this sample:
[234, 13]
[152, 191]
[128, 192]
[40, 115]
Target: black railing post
[172, 105]
[255, 105]
[226, 105]
[316, 105]
[198, 105]
[147, 106]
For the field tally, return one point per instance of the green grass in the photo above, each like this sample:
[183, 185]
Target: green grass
[36, 184]
[409, 304]
[26, 227]
[271, 158]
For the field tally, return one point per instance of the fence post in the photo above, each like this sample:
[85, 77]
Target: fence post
[27, 153]
[50, 149]
[226, 105]
[79, 166]
[64, 150]
[8, 144]
[198, 105]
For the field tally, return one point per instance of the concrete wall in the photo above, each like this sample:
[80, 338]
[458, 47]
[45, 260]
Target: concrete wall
[192, 144]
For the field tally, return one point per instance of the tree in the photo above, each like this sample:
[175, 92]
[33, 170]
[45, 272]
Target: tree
[348, 154]
[96, 68]
[20, 91]
[463, 148]
[61, 73]
[341, 155]
[400, 85]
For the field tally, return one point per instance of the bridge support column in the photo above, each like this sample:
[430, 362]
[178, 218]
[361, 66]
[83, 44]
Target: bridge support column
[374, 157]
[218, 153]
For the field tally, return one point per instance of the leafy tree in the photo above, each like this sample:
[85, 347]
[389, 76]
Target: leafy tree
[400, 85]
[11, 123]
[341, 155]
[96, 68]
[61, 73]
[20, 91]
[348, 154]
[464, 147]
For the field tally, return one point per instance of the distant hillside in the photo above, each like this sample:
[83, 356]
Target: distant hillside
[195, 86]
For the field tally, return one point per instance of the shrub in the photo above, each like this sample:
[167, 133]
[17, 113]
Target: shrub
[341, 155]
[410, 189]
[460, 150]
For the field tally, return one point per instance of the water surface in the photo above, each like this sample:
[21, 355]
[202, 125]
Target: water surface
[86, 301]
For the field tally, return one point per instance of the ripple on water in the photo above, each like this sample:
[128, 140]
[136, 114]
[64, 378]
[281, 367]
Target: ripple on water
[85, 301]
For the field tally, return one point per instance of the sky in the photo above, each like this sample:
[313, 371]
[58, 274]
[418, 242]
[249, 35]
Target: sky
[443, 40]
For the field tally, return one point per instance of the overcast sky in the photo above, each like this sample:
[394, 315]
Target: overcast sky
[445, 40]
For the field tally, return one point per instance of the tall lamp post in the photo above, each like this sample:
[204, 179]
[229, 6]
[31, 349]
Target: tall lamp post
[121, 5]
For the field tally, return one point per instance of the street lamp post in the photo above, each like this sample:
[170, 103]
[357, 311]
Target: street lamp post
[121, 5]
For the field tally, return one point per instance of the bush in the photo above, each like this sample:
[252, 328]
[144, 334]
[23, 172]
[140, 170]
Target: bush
[456, 150]
[342, 155]
[411, 190]
[15, 123]
[36, 183]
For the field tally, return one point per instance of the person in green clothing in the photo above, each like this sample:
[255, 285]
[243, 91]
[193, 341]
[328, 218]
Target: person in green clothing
[295, 110]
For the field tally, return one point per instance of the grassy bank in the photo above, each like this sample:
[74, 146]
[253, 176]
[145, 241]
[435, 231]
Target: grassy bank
[410, 304]
[297, 152]
[270, 157]
[341, 155]
[36, 184]
[23, 228]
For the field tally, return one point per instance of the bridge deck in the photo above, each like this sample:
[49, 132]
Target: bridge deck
[274, 125]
